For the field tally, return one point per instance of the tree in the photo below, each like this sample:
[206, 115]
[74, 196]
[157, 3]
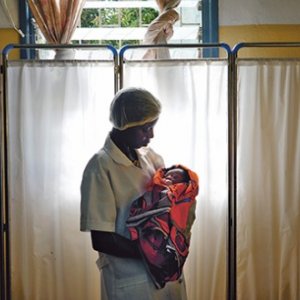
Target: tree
[117, 17]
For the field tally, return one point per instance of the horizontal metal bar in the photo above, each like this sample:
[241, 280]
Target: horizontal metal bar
[239, 46]
[203, 59]
[199, 46]
[9, 47]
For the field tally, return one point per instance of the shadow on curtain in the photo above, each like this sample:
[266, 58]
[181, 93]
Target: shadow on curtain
[58, 117]
[192, 130]
[57, 114]
[268, 229]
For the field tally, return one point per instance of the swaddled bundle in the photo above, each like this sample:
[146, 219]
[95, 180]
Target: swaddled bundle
[161, 221]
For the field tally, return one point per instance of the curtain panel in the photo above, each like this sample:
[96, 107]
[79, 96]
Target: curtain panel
[268, 217]
[57, 121]
[58, 118]
[57, 19]
[192, 130]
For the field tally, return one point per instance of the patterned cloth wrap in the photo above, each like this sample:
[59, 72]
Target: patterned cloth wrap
[161, 221]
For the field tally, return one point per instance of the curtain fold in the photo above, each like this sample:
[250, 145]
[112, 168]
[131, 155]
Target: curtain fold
[57, 19]
[53, 132]
[192, 130]
[268, 226]
[58, 117]
[57, 121]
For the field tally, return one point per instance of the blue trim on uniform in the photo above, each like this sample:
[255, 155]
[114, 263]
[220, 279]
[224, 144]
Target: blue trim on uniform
[210, 26]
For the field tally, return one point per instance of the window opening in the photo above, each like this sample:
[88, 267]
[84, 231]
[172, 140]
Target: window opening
[123, 22]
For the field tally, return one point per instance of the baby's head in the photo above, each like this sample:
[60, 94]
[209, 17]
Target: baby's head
[176, 175]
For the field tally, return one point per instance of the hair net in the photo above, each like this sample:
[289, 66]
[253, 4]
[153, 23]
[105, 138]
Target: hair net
[133, 107]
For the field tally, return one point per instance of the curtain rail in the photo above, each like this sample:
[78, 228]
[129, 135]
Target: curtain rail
[168, 46]
[240, 46]
[230, 280]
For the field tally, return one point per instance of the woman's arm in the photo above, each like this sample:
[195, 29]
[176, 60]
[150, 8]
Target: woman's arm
[114, 244]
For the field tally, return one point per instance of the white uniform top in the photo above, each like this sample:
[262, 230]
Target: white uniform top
[110, 184]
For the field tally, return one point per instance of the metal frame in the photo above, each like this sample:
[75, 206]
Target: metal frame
[232, 179]
[232, 145]
[119, 65]
[232, 158]
[4, 211]
[5, 258]
[169, 46]
[119, 61]
[240, 46]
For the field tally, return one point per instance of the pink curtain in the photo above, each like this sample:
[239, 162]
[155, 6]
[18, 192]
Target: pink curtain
[57, 19]
[160, 29]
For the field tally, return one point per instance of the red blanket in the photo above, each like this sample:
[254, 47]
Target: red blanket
[161, 220]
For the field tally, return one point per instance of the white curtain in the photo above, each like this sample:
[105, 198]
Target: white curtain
[58, 116]
[268, 180]
[192, 130]
[57, 121]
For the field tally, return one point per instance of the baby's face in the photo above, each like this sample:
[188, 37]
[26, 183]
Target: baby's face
[174, 176]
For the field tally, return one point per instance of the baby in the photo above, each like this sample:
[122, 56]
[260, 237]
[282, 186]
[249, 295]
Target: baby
[175, 175]
[161, 222]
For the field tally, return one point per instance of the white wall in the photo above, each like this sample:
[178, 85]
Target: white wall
[12, 6]
[249, 12]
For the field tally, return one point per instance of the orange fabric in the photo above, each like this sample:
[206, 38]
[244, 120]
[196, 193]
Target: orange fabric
[178, 192]
[161, 221]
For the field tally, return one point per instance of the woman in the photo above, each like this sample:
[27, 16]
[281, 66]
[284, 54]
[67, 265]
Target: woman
[113, 178]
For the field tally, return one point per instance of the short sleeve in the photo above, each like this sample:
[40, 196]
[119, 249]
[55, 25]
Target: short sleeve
[98, 205]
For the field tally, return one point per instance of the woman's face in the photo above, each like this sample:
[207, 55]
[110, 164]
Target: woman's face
[139, 136]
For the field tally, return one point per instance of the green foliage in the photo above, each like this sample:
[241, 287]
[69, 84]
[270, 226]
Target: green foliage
[129, 42]
[89, 42]
[113, 43]
[90, 18]
[148, 15]
[116, 17]
[130, 17]
[109, 17]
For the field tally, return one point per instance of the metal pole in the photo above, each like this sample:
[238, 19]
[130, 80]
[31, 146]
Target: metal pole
[232, 158]
[5, 238]
[232, 178]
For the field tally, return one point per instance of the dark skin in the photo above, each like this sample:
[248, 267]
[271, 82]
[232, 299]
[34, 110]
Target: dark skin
[127, 141]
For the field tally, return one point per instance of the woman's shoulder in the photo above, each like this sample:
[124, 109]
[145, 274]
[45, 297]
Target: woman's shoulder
[98, 161]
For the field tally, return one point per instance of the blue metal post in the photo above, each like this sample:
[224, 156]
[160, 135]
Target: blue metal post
[27, 28]
[210, 26]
